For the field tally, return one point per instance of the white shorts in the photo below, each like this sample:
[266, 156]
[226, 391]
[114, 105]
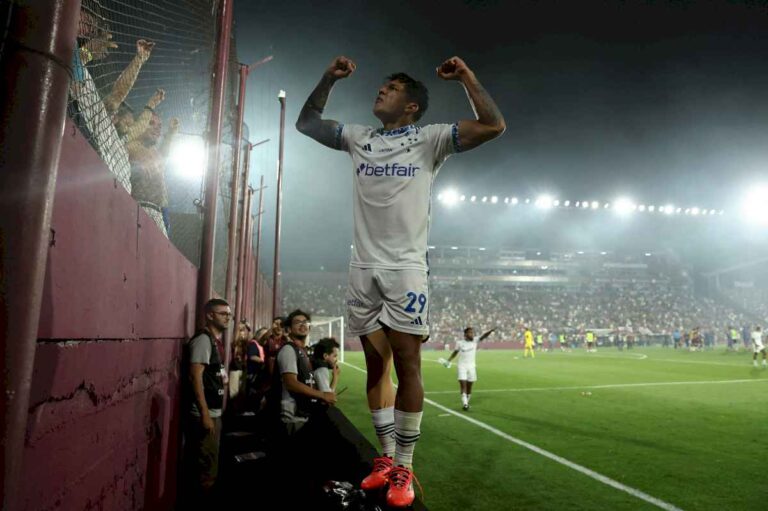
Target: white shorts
[398, 299]
[758, 346]
[467, 373]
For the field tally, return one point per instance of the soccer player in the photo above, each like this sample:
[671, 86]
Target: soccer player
[758, 346]
[387, 298]
[528, 338]
[467, 351]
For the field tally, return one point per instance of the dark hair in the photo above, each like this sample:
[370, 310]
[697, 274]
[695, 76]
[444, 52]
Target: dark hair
[214, 302]
[416, 91]
[324, 346]
[247, 325]
[298, 312]
[282, 319]
[467, 329]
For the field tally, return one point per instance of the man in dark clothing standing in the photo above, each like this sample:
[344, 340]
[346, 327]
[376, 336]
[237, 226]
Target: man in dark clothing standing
[207, 381]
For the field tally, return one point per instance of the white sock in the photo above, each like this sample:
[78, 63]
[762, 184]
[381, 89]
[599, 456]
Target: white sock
[464, 399]
[407, 433]
[384, 424]
[469, 396]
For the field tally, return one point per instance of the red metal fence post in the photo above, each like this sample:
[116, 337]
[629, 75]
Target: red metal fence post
[35, 72]
[276, 270]
[205, 284]
[258, 298]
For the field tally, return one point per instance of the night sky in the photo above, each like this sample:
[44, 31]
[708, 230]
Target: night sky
[662, 101]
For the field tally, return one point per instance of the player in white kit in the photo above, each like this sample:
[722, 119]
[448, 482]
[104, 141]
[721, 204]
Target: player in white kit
[387, 299]
[758, 346]
[467, 352]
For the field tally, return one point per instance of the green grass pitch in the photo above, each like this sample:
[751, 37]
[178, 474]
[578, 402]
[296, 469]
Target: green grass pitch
[673, 429]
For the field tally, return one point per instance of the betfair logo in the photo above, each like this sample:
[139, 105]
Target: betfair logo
[388, 170]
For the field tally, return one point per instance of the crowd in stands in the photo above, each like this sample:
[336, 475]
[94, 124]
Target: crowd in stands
[643, 309]
[751, 299]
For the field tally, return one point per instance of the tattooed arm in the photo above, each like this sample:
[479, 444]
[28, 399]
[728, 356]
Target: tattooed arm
[311, 122]
[489, 123]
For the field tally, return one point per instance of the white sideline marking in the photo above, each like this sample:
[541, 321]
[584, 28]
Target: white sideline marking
[612, 386]
[554, 457]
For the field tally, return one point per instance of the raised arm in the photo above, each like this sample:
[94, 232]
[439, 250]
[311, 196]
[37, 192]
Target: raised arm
[489, 122]
[486, 334]
[127, 78]
[311, 122]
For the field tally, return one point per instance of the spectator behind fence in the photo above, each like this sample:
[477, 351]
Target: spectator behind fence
[256, 369]
[148, 154]
[325, 362]
[94, 116]
[275, 340]
[207, 380]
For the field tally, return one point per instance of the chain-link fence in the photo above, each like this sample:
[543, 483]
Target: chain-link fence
[141, 96]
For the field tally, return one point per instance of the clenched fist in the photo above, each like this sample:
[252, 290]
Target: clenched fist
[453, 69]
[341, 67]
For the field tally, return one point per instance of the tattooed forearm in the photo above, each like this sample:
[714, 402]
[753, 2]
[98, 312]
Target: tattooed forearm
[315, 104]
[482, 104]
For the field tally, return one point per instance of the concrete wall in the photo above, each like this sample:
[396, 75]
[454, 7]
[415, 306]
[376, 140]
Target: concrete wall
[103, 429]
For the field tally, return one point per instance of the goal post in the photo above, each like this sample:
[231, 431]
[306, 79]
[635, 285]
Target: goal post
[328, 326]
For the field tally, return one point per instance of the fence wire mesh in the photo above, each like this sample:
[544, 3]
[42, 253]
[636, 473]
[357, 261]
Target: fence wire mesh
[141, 96]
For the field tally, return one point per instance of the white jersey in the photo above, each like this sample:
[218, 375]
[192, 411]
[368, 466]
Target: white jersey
[467, 351]
[757, 338]
[393, 175]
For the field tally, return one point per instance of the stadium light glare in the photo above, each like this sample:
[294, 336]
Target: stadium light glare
[188, 157]
[485, 199]
[641, 207]
[607, 205]
[624, 206]
[577, 204]
[754, 205]
[603, 253]
[544, 201]
[695, 211]
[473, 198]
[668, 209]
[506, 200]
[595, 204]
[651, 208]
[580, 252]
[454, 248]
[463, 198]
[513, 201]
[494, 199]
[481, 248]
[647, 254]
[527, 201]
[584, 204]
[678, 210]
[440, 196]
[449, 197]
[556, 203]
[567, 203]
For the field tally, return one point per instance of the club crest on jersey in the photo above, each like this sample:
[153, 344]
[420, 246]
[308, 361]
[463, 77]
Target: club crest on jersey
[387, 170]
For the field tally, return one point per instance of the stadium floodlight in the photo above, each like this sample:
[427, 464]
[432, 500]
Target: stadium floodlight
[641, 207]
[187, 157]
[578, 204]
[595, 204]
[607, 205]
[668, 209]
[494, 199]
[580, 252]
[647, 254]
[678, 210]
[556, 203]
[544, 201]
[449, 197]
[651, 208]
[485, 199]
[481, 248]
[513, 201]
[687, 211]
[454, 248]
[506, 200]
[473, 198]
[721, 212]
[584, 204]
[603, 253]
[624, 206]
[695, 211]
[754, 206]
[527, 201]
[463, 198]
[567, 203]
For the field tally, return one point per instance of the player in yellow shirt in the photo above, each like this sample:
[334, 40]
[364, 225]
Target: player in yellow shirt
[528, 337]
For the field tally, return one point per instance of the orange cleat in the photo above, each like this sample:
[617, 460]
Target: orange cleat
[379, 476]
[400, 493]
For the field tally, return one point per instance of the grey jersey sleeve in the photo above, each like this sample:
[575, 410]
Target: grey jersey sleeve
[323, 379]
[200, 350]
[286, 361]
